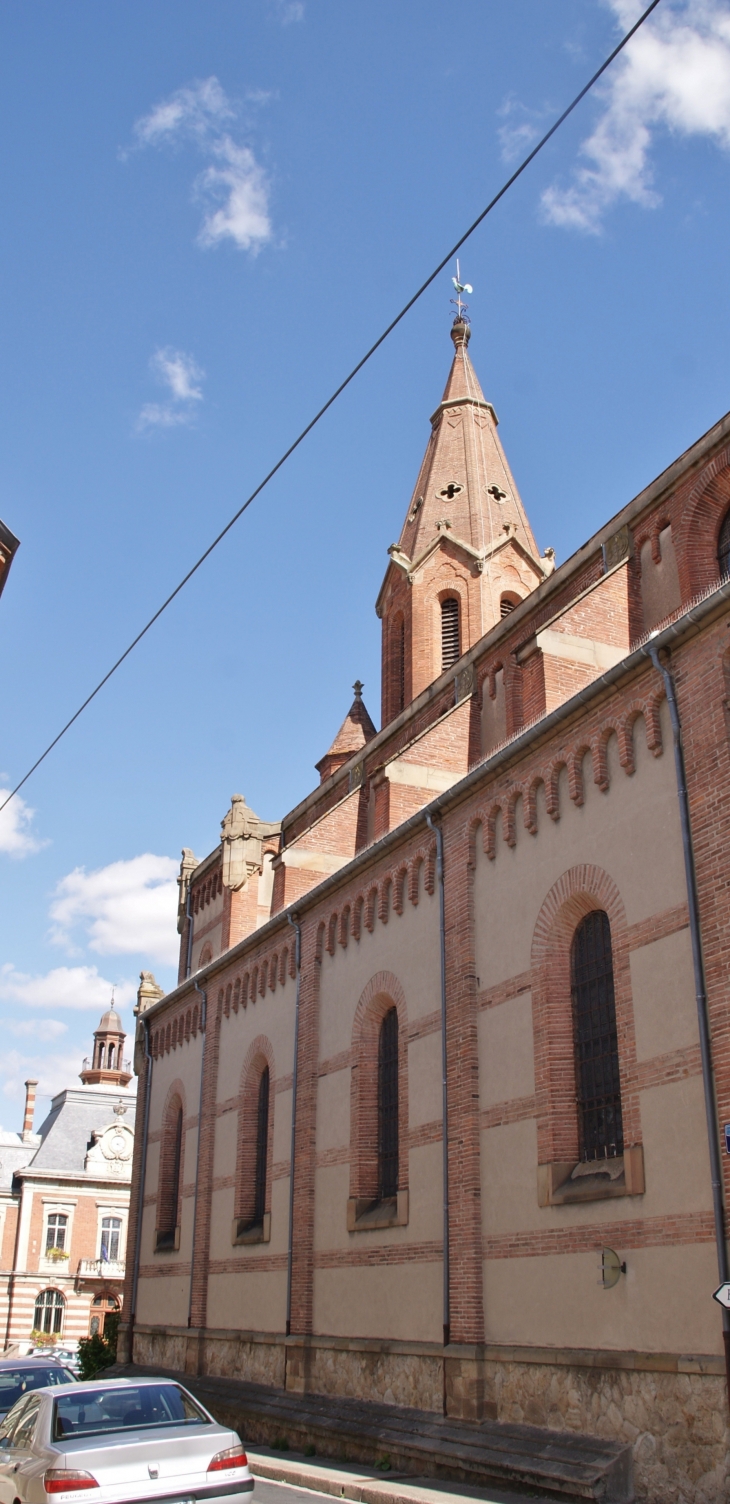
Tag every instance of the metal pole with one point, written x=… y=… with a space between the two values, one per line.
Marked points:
x=708 y=1080
x=290 y=1250
x=444 y=1077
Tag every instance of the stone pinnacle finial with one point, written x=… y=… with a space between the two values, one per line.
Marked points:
x=358 y=687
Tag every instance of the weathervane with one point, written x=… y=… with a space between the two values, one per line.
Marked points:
x=461 y=308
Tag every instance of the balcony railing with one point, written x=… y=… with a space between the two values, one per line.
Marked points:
x=100 y=1269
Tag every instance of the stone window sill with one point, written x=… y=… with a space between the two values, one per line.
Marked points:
x=259 y=1233
x=364 y=1215
x=166 y=1242
x=565 y=1184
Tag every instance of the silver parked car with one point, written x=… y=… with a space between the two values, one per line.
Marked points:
x=119 y=1441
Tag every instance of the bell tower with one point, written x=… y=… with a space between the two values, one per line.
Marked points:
x=107 y=1066
x=466 y=555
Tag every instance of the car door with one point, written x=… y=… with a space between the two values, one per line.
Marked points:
x=18 y=1451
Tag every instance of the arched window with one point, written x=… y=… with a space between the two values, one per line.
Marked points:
x=49 y=1309
x=388 y=1106
x=103 y=1306
x=598 y=1084
x=170 y=1178
x=262 y=1143
x=450 y=633
x=723 y=546
x=507 y=603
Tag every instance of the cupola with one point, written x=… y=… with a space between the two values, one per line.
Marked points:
x=107 y=1066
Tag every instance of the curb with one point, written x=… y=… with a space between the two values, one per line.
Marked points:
x=367 y=1486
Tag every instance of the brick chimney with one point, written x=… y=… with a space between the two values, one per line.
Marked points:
x=30 y=1087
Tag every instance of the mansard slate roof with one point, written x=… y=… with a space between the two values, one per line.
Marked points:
x=66 y=1134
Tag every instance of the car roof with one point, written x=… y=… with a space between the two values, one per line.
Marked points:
x=29 y=1362
x=99 y=1383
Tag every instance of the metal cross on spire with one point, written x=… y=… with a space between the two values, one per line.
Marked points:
x=461 y=308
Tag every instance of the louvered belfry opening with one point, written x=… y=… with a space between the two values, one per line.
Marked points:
x=723 y=547
x=598 y=1083
x=507 y=603
x=450 y=650
x=388 y=1106
x=262 y=1141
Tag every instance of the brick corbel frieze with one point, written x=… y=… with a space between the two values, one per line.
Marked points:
x=465 y=1198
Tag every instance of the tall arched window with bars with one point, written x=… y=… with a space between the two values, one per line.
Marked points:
x=597 y=1075
x=450 y=632
x=388 y=1107
x=169 y=1194
x=723 y=546
x=262 y=1142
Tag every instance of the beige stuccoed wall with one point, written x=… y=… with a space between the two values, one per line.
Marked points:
x=632 y=832
x=254 y=1300
x=400 y=1302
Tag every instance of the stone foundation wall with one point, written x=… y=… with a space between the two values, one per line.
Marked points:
x=673 y=1411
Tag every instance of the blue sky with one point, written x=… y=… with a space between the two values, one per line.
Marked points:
x=209 y=213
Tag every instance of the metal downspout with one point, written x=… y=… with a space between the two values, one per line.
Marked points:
x=142 y=1178
x=444 y=1084
x=204 y=1032
x=189 y=917
x=708 y=1080
x=290 y=1250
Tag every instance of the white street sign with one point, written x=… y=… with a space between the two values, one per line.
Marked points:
x=722 y=1296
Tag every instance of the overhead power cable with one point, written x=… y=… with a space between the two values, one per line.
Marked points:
x=337 y=393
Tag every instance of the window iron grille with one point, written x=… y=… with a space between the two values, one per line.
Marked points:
x=388 y=1106
x=595 y=1040
x=450 y=652
x=723 y=547
x=262 y=1142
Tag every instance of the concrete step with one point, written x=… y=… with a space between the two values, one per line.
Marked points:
x=560 y=1464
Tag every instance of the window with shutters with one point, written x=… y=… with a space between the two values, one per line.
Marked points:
x=598 y=1085
x=168 y=1196
x=450 y=632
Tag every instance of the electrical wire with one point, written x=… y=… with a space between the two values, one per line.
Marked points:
x=337 y=393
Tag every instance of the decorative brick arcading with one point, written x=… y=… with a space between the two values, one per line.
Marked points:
x=382 y=992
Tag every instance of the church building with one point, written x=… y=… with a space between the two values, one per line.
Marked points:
x=435 y=1114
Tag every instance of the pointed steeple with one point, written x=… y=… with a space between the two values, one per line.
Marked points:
x=356 y=730
x=466 y=536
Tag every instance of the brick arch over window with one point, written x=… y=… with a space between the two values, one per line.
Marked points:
x=172 y=1168
x=382 y=993
x=575 y=894
x=699 y=527
x=259 y=1059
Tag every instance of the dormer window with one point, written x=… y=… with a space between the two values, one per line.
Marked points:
x=450 y=632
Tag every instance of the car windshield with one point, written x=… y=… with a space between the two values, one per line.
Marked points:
x=97 y=1412
x=15 y=1382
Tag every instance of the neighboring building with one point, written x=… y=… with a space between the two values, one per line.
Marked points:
x=9 y=546
x=64 y=1202
x=526 y=726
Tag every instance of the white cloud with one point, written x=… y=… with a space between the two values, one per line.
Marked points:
x=27 y=1028
x=75 y=987
x=181 y=374
x=16 y=837
x=674 y=75
x=244 y=214
x=288 y=11
x=53 y=1072
x=127 y=908
x=233 y=187
x=518 y=132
